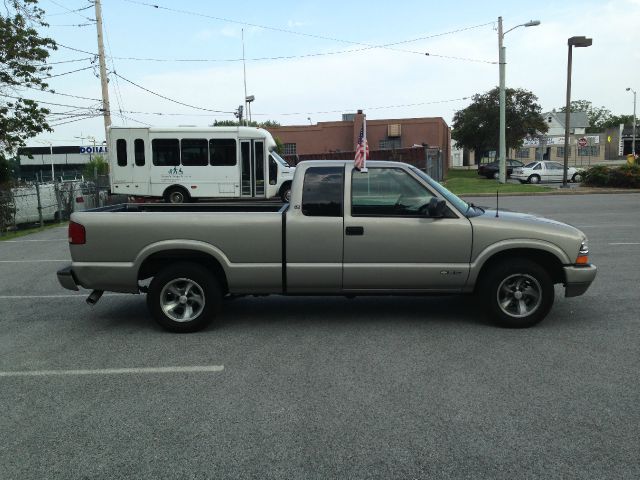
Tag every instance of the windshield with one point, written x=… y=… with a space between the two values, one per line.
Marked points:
x=460 y=204
x=279 y=159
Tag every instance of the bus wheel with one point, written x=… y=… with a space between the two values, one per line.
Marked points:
x=176 y=195
x=285 y=192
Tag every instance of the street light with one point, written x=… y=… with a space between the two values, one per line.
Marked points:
x=572 y=42
x=633 y=131
x=502 y=151
x=249 y=99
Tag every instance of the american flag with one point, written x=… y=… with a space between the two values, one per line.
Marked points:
x=362 y=148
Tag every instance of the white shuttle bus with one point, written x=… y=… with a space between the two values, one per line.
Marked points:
x=185 y=163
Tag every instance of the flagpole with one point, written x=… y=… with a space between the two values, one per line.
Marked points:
x=364 y=145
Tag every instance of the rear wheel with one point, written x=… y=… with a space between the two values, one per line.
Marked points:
x=176 y=195
x=517 y=293
x=534 y=179
x=184 y=297
x=577 y=177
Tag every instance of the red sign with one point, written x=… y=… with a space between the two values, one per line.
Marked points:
x=582 y=142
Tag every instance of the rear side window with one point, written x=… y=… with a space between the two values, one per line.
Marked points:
x=222 y=152
x=323 y=192
x=166 y=152
x=194 y=152
x=138 y=152
x=121 y=152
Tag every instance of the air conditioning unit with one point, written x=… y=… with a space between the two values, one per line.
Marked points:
x=394 y=130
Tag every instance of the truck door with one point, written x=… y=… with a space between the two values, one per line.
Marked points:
x=314 y=233
x=252 y=168
x=390 y=243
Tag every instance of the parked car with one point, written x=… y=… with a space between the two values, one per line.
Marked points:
x=546 y=171
x=492 y=170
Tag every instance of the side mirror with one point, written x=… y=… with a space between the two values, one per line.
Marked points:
x=436 y=208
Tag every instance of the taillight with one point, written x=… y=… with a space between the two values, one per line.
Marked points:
x=79 y=199
x=77 y=234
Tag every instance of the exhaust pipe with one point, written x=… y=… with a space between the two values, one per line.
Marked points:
x=93 y=298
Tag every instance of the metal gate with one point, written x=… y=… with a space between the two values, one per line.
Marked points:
x=433 y=163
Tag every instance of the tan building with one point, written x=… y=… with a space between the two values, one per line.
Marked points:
x=342 y=136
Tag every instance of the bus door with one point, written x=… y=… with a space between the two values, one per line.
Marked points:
x=252 y=169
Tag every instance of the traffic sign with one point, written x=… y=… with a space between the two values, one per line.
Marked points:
x=582 y=142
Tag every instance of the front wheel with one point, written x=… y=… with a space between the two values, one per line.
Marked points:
x=285 y=193
x=177 y=195
x=517 y=293
x=577 y=178
x=534 y=179
x=184 y=297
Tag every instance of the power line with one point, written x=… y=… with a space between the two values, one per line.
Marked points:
x=72 y=24
x=67 y=73
x=310 y=35
x=51 y=103
x=54 y=92
x=64 y=61
x=167 y=98
x=75 y=11
x=75 y=120
x=69 y=11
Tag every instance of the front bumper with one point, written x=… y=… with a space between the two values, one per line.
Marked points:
x=578 y=279
x=67 y=279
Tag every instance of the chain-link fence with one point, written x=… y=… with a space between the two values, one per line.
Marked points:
x=40 y=202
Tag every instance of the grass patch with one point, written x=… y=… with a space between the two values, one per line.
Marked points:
x=28 y=231
x=469 y=182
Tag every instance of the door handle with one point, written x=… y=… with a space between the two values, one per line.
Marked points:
x=354 y=231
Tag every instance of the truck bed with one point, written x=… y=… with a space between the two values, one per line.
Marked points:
x=233 y=206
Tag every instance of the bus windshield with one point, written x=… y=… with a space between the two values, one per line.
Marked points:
x=279 y=159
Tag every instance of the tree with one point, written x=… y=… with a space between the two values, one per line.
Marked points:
x=615 y=120
x=597 y=116
x=253 y=123
x=23 y=56
x=477 y=127
x=97 y=165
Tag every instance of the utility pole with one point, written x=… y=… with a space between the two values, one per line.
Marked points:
x=103 y=71
x=502 y=150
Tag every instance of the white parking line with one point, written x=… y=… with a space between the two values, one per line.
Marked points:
x=115 y=371
x=625 y=243
x=33 y=261
x=22 y=241
x=604 y=225
x=74 y=295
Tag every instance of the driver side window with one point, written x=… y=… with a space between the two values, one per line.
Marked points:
x=384 y=192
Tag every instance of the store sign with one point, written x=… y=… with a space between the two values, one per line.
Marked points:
x=90 y=150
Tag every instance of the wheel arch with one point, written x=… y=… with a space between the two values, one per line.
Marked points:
x=544 y=257
x=158 y=256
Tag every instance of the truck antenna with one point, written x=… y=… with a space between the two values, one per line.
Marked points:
x=497 y=202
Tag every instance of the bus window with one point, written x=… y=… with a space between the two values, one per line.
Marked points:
x=222 y=152
x=166 y=152
x=138 y=152
x=273 y=171
x=193 y=152
x=121 y=152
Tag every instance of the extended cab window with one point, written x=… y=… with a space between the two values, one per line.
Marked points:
x=222 y=152
x=138 y=150
x=387 y=192
x=194 y=152
x=121 y=152
x=322 y=192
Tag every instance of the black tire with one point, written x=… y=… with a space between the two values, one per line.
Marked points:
x=526 y=284
x=534 y=179
x=285 y=192
x=577 y=178
x=194 y=292
x=176 y=195
x=496 y=176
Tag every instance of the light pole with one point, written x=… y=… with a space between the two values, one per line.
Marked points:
x=633 y=129
x=572 y=42
x=502 y=150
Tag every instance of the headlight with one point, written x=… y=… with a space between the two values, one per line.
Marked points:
x=583 y=253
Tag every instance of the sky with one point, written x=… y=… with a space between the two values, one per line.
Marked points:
x=309 y=62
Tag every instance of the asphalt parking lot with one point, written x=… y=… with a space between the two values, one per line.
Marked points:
x=312 y=387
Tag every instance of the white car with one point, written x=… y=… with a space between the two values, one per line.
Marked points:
x=545 y=171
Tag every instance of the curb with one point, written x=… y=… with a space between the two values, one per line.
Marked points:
x=576 y=191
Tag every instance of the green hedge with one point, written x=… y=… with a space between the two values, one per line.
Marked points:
x=626 y=176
